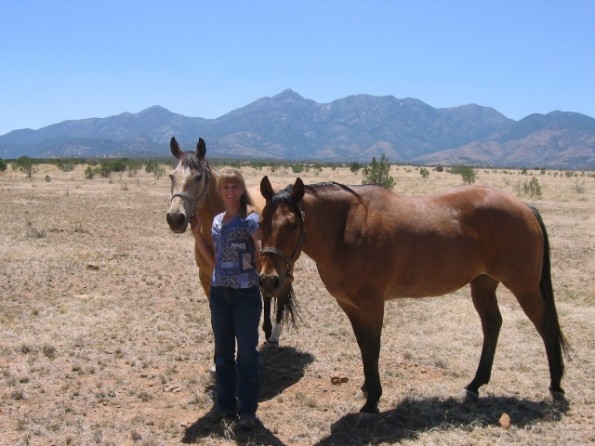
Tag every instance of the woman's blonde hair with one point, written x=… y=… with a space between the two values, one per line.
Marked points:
x=235 y=177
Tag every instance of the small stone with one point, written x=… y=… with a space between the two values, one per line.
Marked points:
x=504 y=420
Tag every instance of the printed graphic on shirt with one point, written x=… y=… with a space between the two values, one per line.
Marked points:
x=234 y=252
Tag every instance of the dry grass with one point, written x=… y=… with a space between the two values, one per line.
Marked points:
x=105 y=334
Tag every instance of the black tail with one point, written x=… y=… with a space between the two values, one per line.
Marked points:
x=552 y=325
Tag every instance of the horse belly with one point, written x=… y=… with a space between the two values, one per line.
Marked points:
x=434 y=275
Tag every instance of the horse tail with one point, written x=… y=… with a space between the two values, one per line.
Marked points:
x=552 y=325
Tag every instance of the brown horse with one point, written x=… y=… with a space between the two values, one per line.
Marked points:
x=371 y=245
x=194 y=191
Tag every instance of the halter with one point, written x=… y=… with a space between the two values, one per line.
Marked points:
x=291 y=259
x=194 y=202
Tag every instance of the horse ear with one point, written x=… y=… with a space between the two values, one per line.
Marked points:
x=266 y=189
x=175 y=148
x=298 y=191
x=201 y=148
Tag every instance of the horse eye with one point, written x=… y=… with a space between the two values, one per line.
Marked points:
x=197 y=177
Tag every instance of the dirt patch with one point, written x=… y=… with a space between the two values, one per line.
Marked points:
x=105 y=334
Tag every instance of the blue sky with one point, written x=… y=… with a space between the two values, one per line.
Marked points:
x=76 y=59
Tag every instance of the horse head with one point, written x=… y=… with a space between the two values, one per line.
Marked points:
x=283 y=234
x=189 y=184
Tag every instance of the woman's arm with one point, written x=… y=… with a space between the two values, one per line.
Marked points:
x=203 y=247
x=256 y=236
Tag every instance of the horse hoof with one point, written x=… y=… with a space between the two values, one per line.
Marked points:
x=369 y=410
x=558 y=397
x=468 y=396
x=270 y=343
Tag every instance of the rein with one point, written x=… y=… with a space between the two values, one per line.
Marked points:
x=291 y=259
x=194 y=202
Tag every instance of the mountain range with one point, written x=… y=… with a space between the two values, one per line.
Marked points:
x=288 y=126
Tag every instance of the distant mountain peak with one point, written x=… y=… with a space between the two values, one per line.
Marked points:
x=287 y=126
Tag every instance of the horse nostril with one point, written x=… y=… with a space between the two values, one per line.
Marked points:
x=175 y=219
x=269 y=282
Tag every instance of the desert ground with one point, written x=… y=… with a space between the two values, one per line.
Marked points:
x=105 y=335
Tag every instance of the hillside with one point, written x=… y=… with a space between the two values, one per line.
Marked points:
x=288 y=126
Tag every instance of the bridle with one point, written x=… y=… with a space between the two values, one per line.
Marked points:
x=289 y=260
x=193 y=203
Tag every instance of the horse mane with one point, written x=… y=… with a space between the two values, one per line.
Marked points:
x=284 y=196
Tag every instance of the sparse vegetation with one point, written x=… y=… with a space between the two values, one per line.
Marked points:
x=103 y=316
x=378 y=173
x=25 y=164
x=354 y=167
x=531 y=189
x=466 y=172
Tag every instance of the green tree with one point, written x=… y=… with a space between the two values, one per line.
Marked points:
x=3 y=165
x=25 y=164
x=378 y=173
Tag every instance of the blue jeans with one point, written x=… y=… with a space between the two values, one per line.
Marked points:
x=235 y=315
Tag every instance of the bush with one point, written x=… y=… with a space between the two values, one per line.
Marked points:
x=3 y=165
x=378 y=173
x=532 y=188
x=424 y=172
x=466 y=172
x=151 y=166
x=354 y=167
x=90 y=173
x=25 y=164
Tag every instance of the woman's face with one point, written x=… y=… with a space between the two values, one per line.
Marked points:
x=231 y=192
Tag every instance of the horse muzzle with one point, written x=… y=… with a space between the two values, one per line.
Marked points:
x=272 y=285
x=177 y=221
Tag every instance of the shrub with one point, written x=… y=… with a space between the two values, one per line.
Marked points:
x=424 y=172
x=378 y=173
x=3 y=165
x=466 y=172
x=151 y=166
x=25 y=164
x=297 y=168
x=468 y=175
x=355 y=166
x=90 y=173
x=532 y=188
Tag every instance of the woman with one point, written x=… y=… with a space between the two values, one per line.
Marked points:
x=235 y=299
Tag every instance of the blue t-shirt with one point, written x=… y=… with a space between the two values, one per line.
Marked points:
x=235 y=265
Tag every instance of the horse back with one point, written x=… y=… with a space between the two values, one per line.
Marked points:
x=424 y=246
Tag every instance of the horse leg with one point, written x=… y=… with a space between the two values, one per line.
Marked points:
x=538 y=312
x=367 y=327
x=483 y=293
x=278 y=327
x=266 y=320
